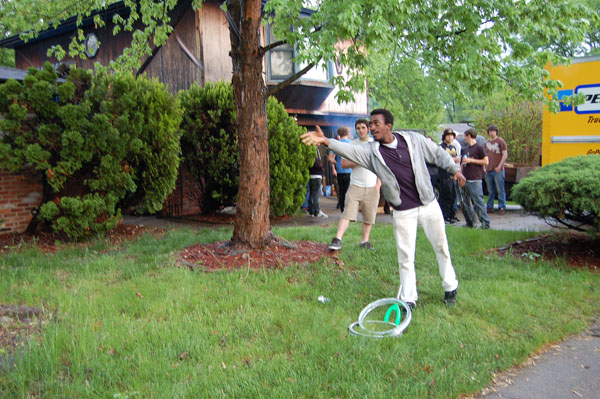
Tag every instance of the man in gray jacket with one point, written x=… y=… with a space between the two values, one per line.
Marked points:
x=399 y=159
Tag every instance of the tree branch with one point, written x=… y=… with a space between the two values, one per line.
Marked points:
x=289 y=81
x=263 y=50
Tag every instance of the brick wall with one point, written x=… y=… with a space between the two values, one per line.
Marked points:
x=19 y=194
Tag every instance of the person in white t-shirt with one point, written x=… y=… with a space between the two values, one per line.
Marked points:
x=363 y=194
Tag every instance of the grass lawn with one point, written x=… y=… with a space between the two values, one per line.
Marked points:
x=128 y=324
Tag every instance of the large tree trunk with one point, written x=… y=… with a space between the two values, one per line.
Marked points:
x=252 y=226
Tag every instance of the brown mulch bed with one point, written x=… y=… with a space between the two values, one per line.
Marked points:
x=220 y=256
x=577 y=249
x=50 y=242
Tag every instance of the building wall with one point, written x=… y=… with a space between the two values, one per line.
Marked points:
x=171 y=65
x=214 y=33
x=35 y=54
x=19 y=194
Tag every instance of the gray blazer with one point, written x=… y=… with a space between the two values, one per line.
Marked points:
x=420 y=149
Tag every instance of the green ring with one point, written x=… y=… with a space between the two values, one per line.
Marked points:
x=392 y=308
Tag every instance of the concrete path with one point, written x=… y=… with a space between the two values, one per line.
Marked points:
x=514 y=218
x=567 y=370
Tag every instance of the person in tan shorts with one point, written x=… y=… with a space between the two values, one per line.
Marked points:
x=363 y=194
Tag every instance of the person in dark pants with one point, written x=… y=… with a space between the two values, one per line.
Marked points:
x=343 y=174
x=315 y=186
x=474 y=160
x=446 y=180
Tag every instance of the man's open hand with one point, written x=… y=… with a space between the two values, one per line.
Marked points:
x=314 y=137
x=460 y=178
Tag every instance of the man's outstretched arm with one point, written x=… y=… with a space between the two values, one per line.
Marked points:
x=315 y=137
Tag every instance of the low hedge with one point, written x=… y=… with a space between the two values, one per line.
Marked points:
x=567 y=191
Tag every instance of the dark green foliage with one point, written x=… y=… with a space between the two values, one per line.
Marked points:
x=209 y=144
x=567 y=191
x=97 y=140
x=210 y=149
x=289 y=160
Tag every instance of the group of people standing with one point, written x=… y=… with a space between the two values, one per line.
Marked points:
x=478 y=161
x=396 y=162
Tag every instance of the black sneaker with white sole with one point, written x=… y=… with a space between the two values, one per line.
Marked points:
x=450 y=298
x=336 y=244
x=366 y=245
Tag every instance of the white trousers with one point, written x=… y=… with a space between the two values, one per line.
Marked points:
x=405 y=231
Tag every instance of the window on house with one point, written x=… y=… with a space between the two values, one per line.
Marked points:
x=281 y=65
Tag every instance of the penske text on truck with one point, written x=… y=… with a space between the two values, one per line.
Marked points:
x=575 y=129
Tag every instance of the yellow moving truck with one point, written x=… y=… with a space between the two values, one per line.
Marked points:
x=574 y=130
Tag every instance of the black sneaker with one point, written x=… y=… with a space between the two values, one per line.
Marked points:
x=450 y=298
x=336 y=244
x=365 y=245
x=411 y=305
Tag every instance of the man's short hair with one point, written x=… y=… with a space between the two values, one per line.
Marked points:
x=343 y=131
x=471 y=133
x=361 y=120
x=387 y=115
x=492 y=127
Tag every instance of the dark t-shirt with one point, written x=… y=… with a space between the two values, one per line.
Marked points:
x=451 y=150
x=473 y=171
x=398 y=160
x=317 y=168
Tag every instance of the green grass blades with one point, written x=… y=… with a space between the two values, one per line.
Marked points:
x=126 y=323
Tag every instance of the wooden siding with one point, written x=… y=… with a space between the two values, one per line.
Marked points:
x=171 y=65
x=35 y=54
x=214 y=32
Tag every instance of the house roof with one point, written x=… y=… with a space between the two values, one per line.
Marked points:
x=68 y=25
x=459 y=128
x=11 y=73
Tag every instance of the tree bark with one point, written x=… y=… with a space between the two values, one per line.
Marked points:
x=252 y=225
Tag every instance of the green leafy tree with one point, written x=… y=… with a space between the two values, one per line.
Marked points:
x=519 y=122
x=476 y=45
x=566 y=192
x=400 y=85
x=97 y=141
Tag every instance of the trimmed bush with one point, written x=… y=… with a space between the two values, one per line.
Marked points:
x=210 y=150
x=209 y=144
x=566 y=191
x=97 y=141
x=289 y=160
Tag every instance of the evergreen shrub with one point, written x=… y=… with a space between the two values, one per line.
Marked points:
x=97 y=140
x=210 y=150
x=209 y=144
x=289 y=160
x=566 y=191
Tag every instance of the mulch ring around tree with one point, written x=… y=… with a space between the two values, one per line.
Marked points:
x=221 y=256
x=577 y=249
